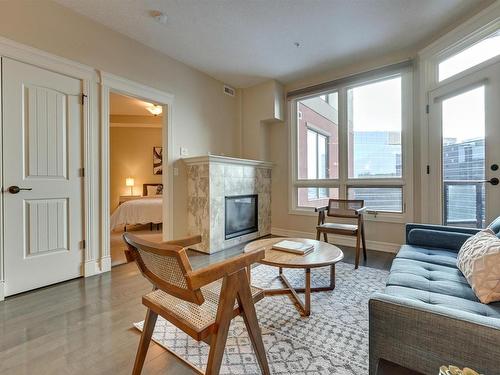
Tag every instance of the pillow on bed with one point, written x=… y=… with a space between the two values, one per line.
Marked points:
x=151 y=190
x=154 y=190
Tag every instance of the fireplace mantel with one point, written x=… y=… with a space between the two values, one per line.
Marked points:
x=204 y=159
x=212 y=178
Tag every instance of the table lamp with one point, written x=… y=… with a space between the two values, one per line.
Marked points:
x=129 y=181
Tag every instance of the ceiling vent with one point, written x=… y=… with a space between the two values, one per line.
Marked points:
x=228 y=90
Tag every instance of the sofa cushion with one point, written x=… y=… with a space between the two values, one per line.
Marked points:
x=439 y=256
x=430 y=277
x=492 y=310
x=437 y=238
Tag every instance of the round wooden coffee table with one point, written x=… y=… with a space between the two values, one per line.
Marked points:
x=323 y=255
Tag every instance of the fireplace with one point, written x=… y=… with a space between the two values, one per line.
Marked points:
x=241 y=215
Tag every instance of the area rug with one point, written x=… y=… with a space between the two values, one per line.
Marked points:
x=333 y=340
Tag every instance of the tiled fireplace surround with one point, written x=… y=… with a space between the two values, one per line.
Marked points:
x=210 y=179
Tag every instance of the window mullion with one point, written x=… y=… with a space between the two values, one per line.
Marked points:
x=343 y=143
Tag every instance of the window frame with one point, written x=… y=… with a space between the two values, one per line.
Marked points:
x=343 y=181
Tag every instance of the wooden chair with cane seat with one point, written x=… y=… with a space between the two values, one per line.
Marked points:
x=343 y=208
x=200 y=302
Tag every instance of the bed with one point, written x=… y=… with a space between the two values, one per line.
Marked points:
x=147 y=209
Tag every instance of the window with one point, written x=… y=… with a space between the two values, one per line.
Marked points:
x=389 y=199
x=307 y=196
x=356 y=150
x=317 y=155
x=374 y=126
x=317 y=135
x=476 y=54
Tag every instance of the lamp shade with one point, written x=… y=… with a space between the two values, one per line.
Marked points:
x=129 y=181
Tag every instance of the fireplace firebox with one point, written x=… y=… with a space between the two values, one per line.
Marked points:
x=241 y=215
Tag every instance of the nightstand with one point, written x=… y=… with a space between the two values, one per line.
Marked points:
x=125 y=198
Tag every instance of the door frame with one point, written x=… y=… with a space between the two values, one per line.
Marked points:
x=110 y=82
x=88 y=77
x=468 y=82
x=463 y=36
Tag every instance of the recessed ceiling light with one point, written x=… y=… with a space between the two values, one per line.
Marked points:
x=158 y=16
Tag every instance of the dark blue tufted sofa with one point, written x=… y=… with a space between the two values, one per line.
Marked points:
x=428 y=315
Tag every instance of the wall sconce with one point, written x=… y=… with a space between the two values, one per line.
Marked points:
x=129 y=181
x=155 y=110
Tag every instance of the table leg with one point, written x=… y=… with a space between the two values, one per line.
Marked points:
x=307 y=294
x=303 y=306
x=332 y=276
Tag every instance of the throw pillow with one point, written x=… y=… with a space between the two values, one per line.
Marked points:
x=479 y=261
x=151 y=190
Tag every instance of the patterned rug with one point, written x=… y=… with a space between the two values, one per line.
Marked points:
x=333 y=340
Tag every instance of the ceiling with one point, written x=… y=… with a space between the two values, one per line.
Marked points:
x=127 y=106
x=244 y=42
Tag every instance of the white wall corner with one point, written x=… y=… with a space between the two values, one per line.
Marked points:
x=2 y=294
x=387 y=247
x=106 y=263
x=90 y=268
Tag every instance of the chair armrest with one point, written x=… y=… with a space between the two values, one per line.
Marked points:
x=319 y=209
x=185 y=242
x=361 y=211
x=182 y=242
x=422 y=336
x=206 y=275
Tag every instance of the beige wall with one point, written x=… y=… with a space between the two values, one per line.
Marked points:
x=261 y=105
x=131 y=154
x=202 y=113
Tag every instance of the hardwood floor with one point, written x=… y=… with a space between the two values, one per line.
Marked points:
x=84 y=326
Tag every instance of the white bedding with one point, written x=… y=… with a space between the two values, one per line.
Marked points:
x=144 y=210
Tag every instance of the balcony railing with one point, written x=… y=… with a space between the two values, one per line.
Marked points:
x=464 y=203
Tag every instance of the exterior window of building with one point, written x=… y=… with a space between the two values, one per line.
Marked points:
x=371 y=145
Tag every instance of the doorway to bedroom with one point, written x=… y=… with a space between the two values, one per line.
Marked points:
x=135 y=170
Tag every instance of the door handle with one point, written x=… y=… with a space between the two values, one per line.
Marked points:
x=16 y=189
x=494 y=181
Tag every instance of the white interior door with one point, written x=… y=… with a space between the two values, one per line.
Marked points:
x=464 y=149
x=43 y=205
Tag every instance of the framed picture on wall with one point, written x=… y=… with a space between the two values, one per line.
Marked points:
x=157 y=160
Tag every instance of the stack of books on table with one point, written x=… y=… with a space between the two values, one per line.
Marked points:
x=294 y=247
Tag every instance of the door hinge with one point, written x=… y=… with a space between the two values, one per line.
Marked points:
x=428 y=169
x=83 y=97
x=82 y=244
x=427 y=108
x=81 y=172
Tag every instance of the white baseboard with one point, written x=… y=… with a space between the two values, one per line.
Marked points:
x=106 y=264
x=387 y=247
x=2 y=293
x=91 y=268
